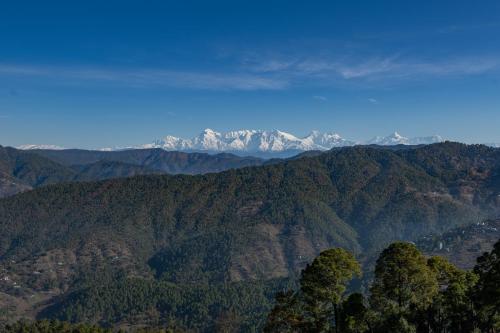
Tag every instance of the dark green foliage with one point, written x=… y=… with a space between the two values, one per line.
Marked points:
x=287 y=314
x=316 y=306
x=403 y=287
x=350 y=197
x=487 y=291
x=113 y=298
x=323 y=284
x=205 y=258
x=55 y=326
x=354 y=314
x=29 y=170
x=409 y=294
x=159 y=160
x=108 y=170
x=22 y=170
x=52 y=326
x=451 y=309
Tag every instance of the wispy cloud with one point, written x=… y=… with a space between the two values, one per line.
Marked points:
x=384 y=68
x=466 y=27
x=320 y=98
x=272 y=73
x=272 y=65
x=373 y=101
x=147 y=77
x=370 y=68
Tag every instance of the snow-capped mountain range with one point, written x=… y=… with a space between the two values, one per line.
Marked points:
x=263 y=142
x=252 y=141
x=397 y=139
x=47 y=147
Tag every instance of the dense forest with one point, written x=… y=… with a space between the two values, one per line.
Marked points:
x=409 y=293
x=23 y=170
x=193 y=252
x=171 y=162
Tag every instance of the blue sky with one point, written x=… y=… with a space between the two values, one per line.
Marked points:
x=116 y=73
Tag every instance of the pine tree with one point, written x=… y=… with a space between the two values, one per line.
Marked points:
x=403 y=287
x=487 y=291
x=323 y=284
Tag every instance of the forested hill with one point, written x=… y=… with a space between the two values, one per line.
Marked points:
x=462 y=245
x=23 y=170
x=171 y=162
x=256 y=223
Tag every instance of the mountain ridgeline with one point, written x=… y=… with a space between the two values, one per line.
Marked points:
x=275 y=143
x=138 y=250
x=156 y=159
x=23 y=170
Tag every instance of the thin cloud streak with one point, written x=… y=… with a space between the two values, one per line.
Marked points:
x=388 y=68
x=190 y=80
x=466 y=27
x=272 y=73
x=320 y=98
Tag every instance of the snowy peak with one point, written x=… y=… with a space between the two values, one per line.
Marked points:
x=33 y=147
x=209 y=140
x=245 y=140
x=260 y=141
x=329 y=140
x=252 y=141
x=392 y=139
x=397 y=139
x=275 y=141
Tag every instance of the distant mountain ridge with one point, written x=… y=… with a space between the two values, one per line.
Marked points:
x=276 y=141
x=23 y=170
x=33 y=147
x=252 y=141
x=397 y=139
x=255 y=142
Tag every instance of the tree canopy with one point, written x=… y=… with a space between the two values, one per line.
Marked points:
x=409 y=293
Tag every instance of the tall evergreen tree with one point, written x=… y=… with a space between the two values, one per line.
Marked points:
x=403 y=286
x=316 y=306
x=354 y=315
x=487 y=292
x=409 y=293
x=451 y=309
x=323 y=284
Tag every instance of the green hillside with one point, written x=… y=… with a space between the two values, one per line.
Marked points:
x=23 y=170
x=171 y=162
x=462 y=245
x=201 y=240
